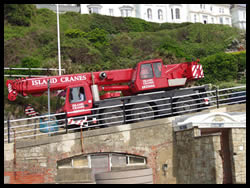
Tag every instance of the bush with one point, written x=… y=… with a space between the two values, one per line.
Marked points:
x=45 y=18
x=27 y=62
x=241 y=60
x=137 y=25
x=75 y=33
x=79 y=51
x=19 y=14
x=170 y=48
x=98 y=37
x=219 y=68
x=110 y=24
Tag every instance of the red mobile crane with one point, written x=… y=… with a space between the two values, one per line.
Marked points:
x=81 y=91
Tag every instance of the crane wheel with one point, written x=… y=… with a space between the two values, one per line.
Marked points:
x=111 y=117
x=141 y=112
x=184 y=105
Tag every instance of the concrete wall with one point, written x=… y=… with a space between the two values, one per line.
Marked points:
x=237 y=142
x=190 y=157
x=39 y=158
x=211 y=155
x=198 y=158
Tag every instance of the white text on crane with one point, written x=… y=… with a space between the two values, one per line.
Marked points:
x=63 y=79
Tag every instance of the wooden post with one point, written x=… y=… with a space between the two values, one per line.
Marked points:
x=81 y=139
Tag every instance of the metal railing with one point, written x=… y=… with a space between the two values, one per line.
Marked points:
x=123 y=113
x=30 y=69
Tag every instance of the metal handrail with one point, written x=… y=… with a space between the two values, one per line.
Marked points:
x=20 y=68
x=170 y=110
x=30 y=69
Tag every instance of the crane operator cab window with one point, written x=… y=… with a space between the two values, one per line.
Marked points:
x=146 y=71
x=157 y=69
x=77 y=94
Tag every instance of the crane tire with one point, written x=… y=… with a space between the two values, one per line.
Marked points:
x=141 y=112
x=184 y=105
x=110 y=115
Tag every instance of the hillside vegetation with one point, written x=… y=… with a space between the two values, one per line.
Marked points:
x=95 y=42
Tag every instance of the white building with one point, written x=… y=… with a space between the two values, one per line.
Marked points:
x=210 y=13
x=118 y=10
x=238 y=12
x=160 y=13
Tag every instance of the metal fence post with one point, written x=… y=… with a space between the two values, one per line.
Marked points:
x=66 y=122
x=8 y=124
x=171 y=102
x=123 y=111
x=48 y=123
x=14 y=161
x=217 y=98
x=35 y=120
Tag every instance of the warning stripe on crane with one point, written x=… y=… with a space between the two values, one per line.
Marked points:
x=197 y=71
x=29 y=111
x=82 y=122
x=10 y=88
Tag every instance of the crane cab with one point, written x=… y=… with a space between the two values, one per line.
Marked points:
x=77 y=100
x=148 y=75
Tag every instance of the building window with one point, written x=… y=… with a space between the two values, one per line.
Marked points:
x=74 y=162
x=221 y=10
x=227 y=21
x=105 y=161
x=94 y=8
x=202 y=6
x=160 y=15
x=204 y=19
x=149 y=13
x=195 y=18
x=212 y=20
x=121 y=160
x=126 y=11
x=244 y=15
x=211 y=8
x=135 y=160
x=172 y=13
x=177 y=13
x=221 y=20
x=111 y=12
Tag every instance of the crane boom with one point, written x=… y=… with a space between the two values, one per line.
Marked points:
x=37 y=86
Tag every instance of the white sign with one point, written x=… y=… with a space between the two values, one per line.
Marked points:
x=148 y=83
x=63 y=79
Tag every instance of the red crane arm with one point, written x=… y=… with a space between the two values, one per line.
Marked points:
x=36 y=86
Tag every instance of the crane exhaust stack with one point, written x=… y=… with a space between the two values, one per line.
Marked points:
x=94 y=89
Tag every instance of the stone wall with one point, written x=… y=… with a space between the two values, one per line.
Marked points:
x=198 y=159
x=237 y=141
x=190 y=156
x=38 y=158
